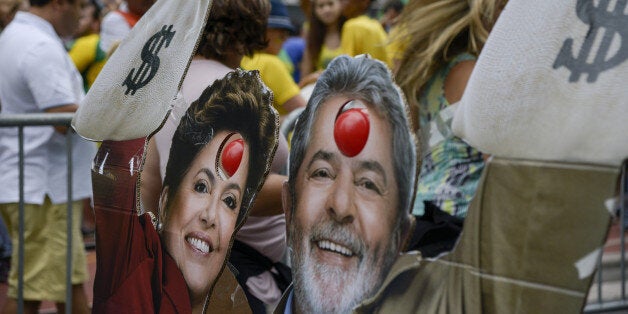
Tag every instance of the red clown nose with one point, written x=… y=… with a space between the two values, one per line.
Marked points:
x=351 y=130
x=232 y=156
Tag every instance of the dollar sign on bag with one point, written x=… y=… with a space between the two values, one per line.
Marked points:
x=603 y=22
x=138 y=79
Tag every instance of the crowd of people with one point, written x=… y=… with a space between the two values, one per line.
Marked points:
x=324 y=219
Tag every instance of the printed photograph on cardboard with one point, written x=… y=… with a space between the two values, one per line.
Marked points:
x=351 y=184
x=170 y=257
x=174 y=207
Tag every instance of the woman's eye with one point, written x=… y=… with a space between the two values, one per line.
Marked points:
x=231 y=202
x=200 y=187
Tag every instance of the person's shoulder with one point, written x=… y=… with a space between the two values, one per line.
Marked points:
x=86 y=41
x=113 y=18
x=269 y=58
x=25 y=34
x=113 y=15
x=260 y=60
x=362 y=21
x=365 y=27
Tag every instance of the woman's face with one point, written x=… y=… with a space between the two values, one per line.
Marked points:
x=328 y=11
x=200 y=220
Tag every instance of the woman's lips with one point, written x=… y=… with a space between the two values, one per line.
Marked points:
x=200 y=243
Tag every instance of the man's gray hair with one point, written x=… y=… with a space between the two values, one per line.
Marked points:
x=370 y=80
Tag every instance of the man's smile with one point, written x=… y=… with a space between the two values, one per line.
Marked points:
x=335 y=248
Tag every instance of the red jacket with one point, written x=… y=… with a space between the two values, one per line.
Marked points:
x=134 y=273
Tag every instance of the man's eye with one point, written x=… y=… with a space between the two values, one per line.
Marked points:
x=369 y=185
x=231 y=202
x=321 y=173
x=200 y=187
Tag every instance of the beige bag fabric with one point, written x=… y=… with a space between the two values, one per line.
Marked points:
x=139 y=83
x=530 y=244
x=550 y=84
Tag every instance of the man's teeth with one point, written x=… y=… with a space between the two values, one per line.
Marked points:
x=199 y=244
x=330 y=246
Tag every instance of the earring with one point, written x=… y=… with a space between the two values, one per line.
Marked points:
x=156 y=222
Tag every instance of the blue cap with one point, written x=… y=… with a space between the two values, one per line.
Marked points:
x=279 y=16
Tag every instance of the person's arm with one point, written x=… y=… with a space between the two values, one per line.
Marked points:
x=150 y=179
x=456 y=82
x=309 y=79
x=297 y=101
x=122 y=243
x=307 y=64
x=61 y=109
x=53 y=84
x=268 y=200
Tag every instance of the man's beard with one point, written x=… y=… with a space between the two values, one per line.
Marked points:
x=321 y=288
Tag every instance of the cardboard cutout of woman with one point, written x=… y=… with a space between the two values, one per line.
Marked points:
x=218 y=161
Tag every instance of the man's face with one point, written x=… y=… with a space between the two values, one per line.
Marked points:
x=341 y=231
x=86 y=21
x=69 y=13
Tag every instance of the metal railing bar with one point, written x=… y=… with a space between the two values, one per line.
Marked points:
x=41 y=119
x=20 y=264
x=31 y=119
x=70 y=217
x=607 y=306
x=599 y=277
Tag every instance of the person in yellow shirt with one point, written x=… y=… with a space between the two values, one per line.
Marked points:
x=323 y=39
x=85 y=51
x=273 y=71
x=362 y=34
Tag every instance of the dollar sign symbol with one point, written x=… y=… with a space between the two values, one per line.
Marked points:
x=599 y=19
x=138 y=79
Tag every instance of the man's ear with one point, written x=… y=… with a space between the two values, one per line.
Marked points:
x=286 y=202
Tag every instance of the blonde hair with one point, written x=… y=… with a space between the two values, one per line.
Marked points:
x=433 y=32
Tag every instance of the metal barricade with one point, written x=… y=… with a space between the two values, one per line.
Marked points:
x=608 y=292
x=41 y=119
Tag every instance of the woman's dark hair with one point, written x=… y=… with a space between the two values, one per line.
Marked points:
x=316 y=35
x=234 y=26
x=238 y=103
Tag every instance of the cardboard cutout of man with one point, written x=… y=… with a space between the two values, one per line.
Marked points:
x=352 y=173
x=531 y=239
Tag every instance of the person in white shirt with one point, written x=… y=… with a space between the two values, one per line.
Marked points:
x=118 y=23
x=38 y=76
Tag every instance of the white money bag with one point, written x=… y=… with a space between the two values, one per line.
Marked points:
x=551 y=84
x=139 y=83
